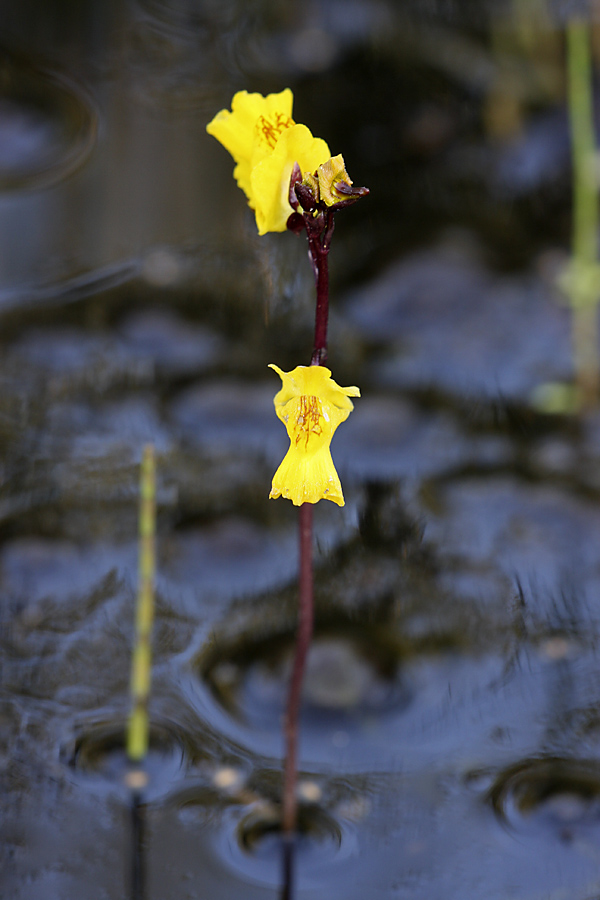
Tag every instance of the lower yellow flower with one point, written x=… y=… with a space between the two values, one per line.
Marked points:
x=311 y=406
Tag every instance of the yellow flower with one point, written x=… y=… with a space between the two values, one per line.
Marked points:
x=265 y=142
x=311 y=406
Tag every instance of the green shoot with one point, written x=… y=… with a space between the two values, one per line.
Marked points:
x=141 y=664
x=582 y=280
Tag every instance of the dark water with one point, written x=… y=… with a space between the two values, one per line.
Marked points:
x=450 y=739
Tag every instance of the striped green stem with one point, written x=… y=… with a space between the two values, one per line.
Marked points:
x=584 y=292
x=141 y=664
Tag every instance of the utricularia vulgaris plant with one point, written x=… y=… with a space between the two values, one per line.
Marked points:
x=292 y=182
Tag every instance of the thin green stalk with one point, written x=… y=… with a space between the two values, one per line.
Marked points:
x=584 y=294
x=141 y=663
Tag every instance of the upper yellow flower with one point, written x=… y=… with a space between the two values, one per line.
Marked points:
x=265 y=142
x=311 y=406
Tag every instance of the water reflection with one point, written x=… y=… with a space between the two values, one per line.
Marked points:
x=99 y=758
x=48 y=124
x=370 y=693
x=550 y=795
x=457 y=622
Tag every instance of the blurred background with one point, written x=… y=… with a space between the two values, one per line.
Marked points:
x=450 y=739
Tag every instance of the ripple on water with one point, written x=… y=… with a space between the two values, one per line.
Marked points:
x=234 y=817
x=554 y=796
x=174 y=346
x=252 y=845
x=538 y=535
x=97 y=756
x=369 y=696
x=448 y=322
x=389 y=437
x=346 y=675
x=229 y=415
x=47 y=125
x=229 y=557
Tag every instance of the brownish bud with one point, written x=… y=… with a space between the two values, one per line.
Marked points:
x=306 y=196
x=295 y=223
x=295 y=178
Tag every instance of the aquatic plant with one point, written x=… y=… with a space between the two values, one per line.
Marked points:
x=581 y=281
x=138 y=726
x=292 y=181
x=141 y=662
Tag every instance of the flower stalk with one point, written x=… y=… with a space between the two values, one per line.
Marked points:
x=303 y=638
x=291 y=181
x=317 y=218
x=319 y=257
x=318 y=250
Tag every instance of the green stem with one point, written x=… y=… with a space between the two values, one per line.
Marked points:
x=585 y=205
x=585 y=343
x=141 y=664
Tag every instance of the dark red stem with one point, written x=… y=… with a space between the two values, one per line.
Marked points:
x=318 y=250
x=319 y=230
x=303 y=636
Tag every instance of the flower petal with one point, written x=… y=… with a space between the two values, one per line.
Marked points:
x=307 y=479
x=237 y=130
x=270 y=178
x=313 y=380
x=311 y=405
